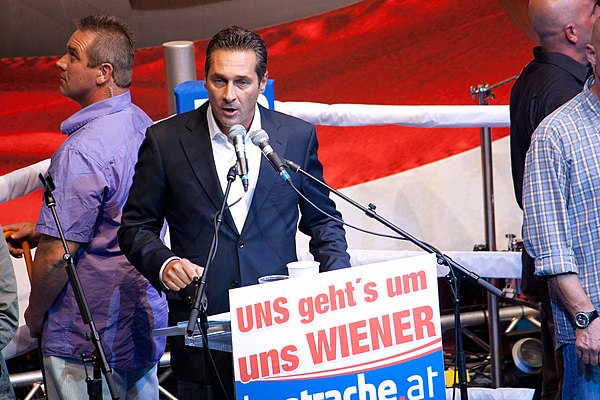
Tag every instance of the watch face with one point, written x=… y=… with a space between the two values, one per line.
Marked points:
x=582 y=320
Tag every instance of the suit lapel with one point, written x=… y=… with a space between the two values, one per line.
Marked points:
x=266 y=177
x=198 y=151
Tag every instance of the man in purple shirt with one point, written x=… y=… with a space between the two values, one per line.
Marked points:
x=92 y=172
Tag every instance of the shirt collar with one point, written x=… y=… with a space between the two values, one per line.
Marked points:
x=215 y=131
x=575 y=68
x=95 y=110
x=592 y=101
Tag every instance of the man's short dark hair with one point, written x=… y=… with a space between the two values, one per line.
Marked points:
x=238 y=39
x=113 y=44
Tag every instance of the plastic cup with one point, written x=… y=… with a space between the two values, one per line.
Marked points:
x=298 y=269
x=271 y=278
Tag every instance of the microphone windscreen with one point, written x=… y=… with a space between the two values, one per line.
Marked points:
x=237 y=130
x=259 y=136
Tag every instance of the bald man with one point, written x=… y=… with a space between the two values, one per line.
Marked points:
x=554 y=76
x=561 y=226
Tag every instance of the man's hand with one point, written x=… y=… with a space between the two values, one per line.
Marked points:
x=587 y=343
x=180 y=273
x=34 y=323
x=23 y=231
x=569 y=290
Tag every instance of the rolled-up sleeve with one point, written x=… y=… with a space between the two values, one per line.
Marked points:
x=546 y=225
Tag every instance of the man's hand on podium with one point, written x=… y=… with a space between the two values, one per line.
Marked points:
x=180 y=273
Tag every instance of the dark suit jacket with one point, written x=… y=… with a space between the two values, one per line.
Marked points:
x=175 y=178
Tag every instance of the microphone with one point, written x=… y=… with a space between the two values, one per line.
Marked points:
x=237 y=133
x=261 y=139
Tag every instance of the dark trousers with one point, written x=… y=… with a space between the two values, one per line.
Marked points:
x=552 y=360
x=187 y=364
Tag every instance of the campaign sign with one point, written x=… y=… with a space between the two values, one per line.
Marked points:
x=363 y=333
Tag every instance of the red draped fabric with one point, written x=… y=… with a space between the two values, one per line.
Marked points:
x=404 y=52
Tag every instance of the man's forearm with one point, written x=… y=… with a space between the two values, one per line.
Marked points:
x=569 y=290
x=49 y=275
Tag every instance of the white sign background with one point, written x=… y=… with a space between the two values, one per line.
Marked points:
x=274 y=324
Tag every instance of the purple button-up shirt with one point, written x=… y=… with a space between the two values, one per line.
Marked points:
x=92 y=172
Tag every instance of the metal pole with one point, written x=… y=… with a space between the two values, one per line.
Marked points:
x=476 y=318
x=488 y=188
x=483 y=93
x=490 y=241
x=180 y=66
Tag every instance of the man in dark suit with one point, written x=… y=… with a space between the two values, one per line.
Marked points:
x=181 y=176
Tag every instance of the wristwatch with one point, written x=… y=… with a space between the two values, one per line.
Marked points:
x=583 y=319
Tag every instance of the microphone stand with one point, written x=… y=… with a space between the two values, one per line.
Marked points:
x=200 y=304
x=98 y=358
x=442 y=259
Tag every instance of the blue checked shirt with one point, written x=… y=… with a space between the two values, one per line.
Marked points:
x=561 y=200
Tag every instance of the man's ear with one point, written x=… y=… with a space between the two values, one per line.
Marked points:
x=105 y=72
x=590 y=54
x=263 y=82
x=570 y=33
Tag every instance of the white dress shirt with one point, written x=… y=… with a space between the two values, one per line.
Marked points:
x=225 y=158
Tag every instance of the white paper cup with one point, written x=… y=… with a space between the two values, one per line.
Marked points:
x=297 y=269
x=271 y=278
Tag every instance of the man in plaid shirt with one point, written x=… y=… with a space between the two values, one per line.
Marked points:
x=561 y=202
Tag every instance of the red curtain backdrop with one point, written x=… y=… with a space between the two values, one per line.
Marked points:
x=403 y=52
